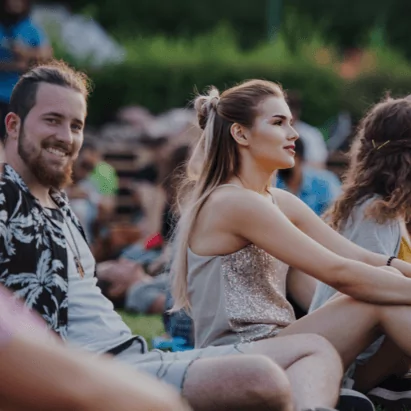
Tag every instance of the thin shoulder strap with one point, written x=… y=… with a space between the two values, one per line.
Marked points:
x=235 y=185
x=272 y=197
x=229 y=184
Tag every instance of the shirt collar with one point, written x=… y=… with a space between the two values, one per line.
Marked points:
x=11 y=175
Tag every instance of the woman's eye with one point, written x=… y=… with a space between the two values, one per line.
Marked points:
x=278 y=123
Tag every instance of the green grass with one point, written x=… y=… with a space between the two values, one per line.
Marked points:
x=148 y=326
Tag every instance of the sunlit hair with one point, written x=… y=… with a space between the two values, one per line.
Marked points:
x=380 y=163
x=214 y=161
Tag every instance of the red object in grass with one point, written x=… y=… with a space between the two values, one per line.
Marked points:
x=156 y=241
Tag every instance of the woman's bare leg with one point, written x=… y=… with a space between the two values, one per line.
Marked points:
x=351 y=326
x=312 y=365
x=246 y=382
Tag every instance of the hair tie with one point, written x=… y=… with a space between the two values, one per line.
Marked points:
x=214 y=102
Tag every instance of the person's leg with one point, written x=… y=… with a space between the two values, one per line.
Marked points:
x=247 y=382
x=312 y=366
x=351 y=326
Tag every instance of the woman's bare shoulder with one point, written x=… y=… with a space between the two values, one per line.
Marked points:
x=229 y=201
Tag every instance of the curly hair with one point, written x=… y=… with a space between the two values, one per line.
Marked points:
x=380 y=164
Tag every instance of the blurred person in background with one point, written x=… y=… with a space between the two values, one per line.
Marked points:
x=129 y=287
x=83 y=195
x=316 y=188
x=93 y=192
x=157 y=195
x=22 y=43
x=315 y=153
x=40 y=374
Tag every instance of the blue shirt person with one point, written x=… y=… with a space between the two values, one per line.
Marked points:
x=315 y=187
x=22 y=43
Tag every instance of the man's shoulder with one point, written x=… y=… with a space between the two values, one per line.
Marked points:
x=26 y=25
x=12 y=188
x=9 y=191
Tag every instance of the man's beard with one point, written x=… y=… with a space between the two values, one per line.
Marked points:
x=45 y=175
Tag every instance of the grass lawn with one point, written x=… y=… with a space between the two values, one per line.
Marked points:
x=148 y=326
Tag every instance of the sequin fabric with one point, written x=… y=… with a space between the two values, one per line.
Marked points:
x=255 y=287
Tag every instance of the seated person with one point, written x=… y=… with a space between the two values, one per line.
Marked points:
x=316 y=188
x=41 y=374
x=316 y=152
x=126 y=284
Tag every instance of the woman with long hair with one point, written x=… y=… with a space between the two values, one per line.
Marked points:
x=237 y=236
x=372 y=211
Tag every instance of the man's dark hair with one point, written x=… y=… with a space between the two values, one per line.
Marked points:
x=286 y=173
x=294 y=100
x=59 y=73
x=8 y=19
x=299 y=148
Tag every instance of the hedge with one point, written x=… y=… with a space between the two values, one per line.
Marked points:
x=161 y=87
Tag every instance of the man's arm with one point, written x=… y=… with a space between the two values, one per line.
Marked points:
x=19 y=66
x=39 y=53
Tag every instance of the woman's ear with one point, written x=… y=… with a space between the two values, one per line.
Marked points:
x=239 y=134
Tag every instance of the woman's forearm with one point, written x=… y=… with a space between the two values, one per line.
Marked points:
x=374 y=285
x=380 y=260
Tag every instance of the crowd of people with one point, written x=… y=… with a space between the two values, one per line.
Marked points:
x=280 y=288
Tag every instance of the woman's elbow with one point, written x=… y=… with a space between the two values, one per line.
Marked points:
x=340 y=275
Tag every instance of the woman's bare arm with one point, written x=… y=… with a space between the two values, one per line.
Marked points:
x=268 y=228
x=308 y=222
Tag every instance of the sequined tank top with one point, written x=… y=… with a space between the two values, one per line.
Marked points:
x=238 y=297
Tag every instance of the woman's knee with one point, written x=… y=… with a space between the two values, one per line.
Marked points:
x=236 y=383
x=266 y=383
x=320 y=346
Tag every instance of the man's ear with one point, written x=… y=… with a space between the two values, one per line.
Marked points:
x=239 y=134
x=13 y=125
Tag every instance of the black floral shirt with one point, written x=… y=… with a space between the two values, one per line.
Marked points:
x=33 y=255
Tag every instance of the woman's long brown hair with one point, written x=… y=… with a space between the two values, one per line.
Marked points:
x=380 y=164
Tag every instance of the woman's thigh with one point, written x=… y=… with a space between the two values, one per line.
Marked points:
x=350 y=325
